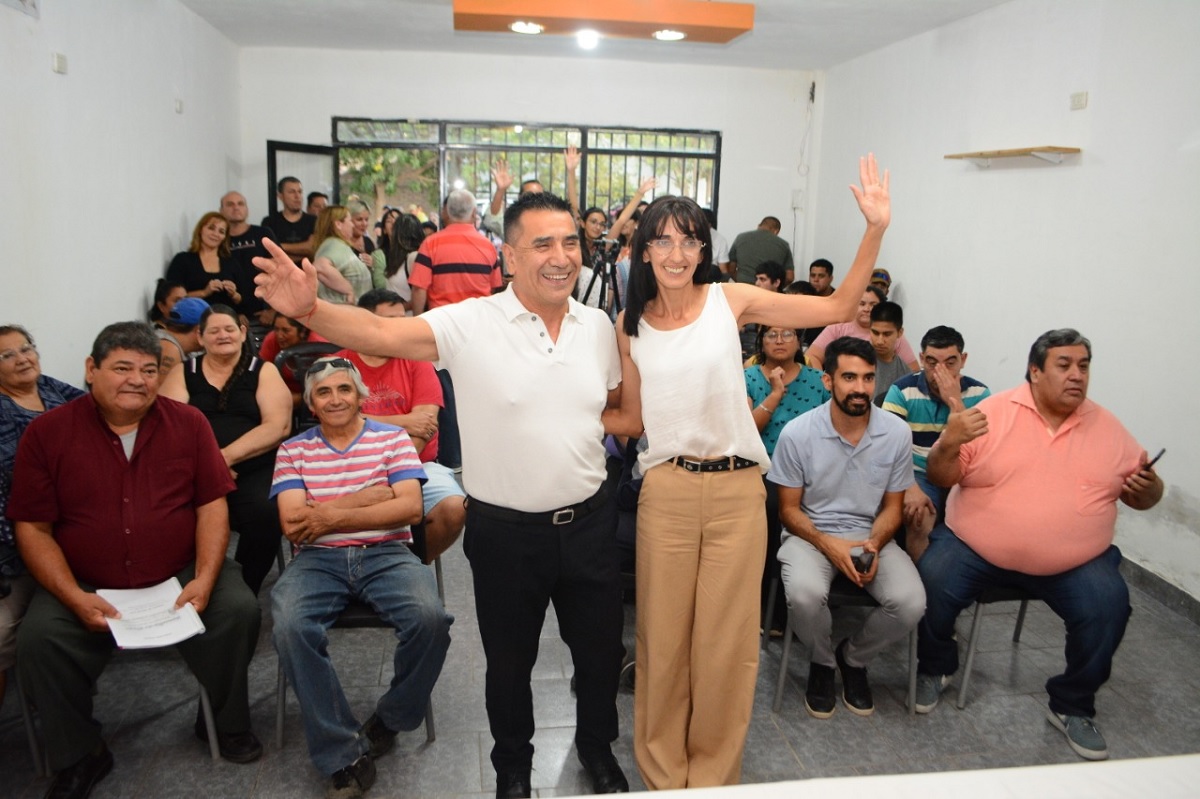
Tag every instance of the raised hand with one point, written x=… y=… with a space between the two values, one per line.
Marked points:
x=290 y=290
x=647 y=186
x=501 y=176
x=873 y=198
x=572 y=157
x=966 y=425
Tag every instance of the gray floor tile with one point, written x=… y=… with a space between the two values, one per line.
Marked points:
x=147 y=703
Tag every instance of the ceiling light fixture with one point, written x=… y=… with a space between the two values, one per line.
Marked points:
x=587 y=39
x=529 y=28
x=699 y=21
x=666 y=35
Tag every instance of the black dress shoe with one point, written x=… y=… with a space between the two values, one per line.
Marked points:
x=513 y=784
x=380 y=738
x=352 y=781
x=77 y=781
x=236 y=747
x=604 y=771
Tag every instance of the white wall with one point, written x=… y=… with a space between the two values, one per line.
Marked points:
x=291 y=95
x=1106 y=242
x=100 y=180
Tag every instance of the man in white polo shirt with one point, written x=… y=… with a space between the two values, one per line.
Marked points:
x=534 y=370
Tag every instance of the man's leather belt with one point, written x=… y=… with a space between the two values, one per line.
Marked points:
x=715 y=465
x=571 y=513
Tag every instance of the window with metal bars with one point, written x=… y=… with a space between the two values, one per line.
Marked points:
x=407 y=163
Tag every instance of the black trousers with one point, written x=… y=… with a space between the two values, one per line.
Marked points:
x=256 y=519
x=518 y=570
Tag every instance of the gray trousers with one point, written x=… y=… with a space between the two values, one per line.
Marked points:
x=807 y=575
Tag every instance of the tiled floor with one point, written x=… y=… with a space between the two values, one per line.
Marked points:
x=146 y=702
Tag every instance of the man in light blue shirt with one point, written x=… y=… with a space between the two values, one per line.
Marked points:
x=842 y=471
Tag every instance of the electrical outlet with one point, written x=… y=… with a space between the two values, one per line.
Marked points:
x=1079 y=101
x=58 y=63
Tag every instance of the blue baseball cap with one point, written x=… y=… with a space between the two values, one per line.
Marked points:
x=187 y=311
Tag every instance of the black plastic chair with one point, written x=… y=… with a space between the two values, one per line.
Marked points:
x=359 y=616
x=990 y=595
x=297 y=360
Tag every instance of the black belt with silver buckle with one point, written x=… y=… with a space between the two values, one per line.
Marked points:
x=715 y=465
x=571 y=513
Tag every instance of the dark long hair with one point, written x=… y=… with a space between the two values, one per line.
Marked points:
x=382 y=238
x=162 y=290
x=244 y=359
x=689 y=220
x=407 y=235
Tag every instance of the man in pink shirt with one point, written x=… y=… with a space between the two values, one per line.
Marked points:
x=1037 y=471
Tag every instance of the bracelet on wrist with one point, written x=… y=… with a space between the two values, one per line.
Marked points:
x=304 y=319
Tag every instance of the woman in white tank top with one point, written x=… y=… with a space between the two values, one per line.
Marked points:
x=701 y=518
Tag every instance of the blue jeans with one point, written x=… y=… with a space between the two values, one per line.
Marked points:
x=1092 y=599
x=311 y=592
x=936 y=494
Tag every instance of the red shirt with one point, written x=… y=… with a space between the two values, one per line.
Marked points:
x=456 y=264
x=396 y=387
x=121 y=523
x=270 y=349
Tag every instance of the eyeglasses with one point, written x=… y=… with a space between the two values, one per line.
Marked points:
x=780 y=335
x=24 y=350
x=666 y=246
x=330 y=363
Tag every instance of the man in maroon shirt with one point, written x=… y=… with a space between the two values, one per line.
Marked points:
x=120 y=489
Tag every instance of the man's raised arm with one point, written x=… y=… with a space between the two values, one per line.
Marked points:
x=292 y=291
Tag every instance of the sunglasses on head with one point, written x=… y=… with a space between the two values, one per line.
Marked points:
x=335 y=363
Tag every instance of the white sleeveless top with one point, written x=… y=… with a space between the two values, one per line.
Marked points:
x=694 y=389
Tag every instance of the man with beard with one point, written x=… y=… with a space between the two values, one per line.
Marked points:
x=842 y=470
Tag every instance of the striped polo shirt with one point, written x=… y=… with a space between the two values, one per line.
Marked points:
x=456 y=264
x=382 y=454
x=909 y=399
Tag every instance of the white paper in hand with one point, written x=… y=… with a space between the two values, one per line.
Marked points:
x=148 y=616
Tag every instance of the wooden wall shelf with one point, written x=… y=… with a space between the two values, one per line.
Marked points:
x=984 y=157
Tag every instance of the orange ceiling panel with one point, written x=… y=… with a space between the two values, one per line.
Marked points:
x=701 y=20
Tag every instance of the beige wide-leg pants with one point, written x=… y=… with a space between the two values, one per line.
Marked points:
x=700 y=551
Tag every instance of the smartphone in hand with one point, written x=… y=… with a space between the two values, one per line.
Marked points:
x=862 y=560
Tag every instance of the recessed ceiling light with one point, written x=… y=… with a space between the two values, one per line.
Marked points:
x=587 y=38
x=667 y=35
x=526 y=27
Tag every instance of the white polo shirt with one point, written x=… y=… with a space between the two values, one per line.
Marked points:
x=528 y=406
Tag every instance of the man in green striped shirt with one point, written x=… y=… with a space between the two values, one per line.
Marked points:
x=925 y=400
